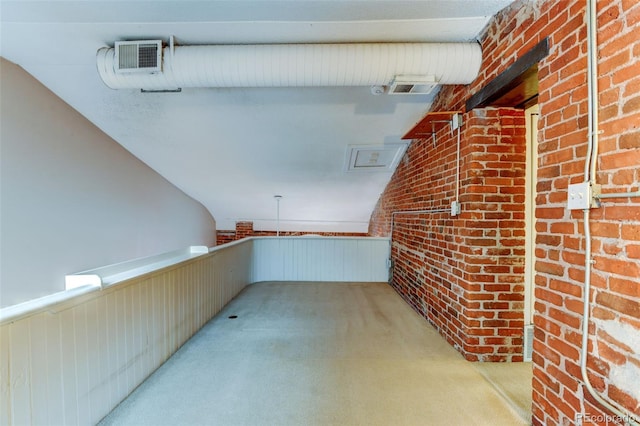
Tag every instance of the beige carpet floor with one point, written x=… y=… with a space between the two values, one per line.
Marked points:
x=512 y=381
x=323 y=354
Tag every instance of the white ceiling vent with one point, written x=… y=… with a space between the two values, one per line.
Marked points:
x=142 y=56
x=374 y=158
x=412 y=85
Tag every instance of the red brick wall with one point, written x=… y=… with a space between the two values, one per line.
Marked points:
x=464 y=273
x=436 y=256
x=614 y=361
x=245 y=229
x=224 y=237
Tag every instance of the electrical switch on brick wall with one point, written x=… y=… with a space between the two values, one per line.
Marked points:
x=579 y=196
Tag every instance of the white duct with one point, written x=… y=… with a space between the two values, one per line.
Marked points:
x=298 y=65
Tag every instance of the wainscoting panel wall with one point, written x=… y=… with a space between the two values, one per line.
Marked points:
x=74 y=358
x=321 y=259
x=75 y=361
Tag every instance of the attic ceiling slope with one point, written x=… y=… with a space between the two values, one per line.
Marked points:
x=232 y=149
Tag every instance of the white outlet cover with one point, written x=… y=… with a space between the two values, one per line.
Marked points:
x=579 y=196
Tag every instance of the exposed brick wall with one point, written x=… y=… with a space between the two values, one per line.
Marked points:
x=614 y=360
x=464 y=273
x=444 y=284
x=224 y=237
x=245 y=229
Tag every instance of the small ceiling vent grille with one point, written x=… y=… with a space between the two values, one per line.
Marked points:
x=374 y=158
x=138 y=56
x=412 y=85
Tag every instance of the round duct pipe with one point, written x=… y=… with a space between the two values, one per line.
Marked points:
x=298 y=65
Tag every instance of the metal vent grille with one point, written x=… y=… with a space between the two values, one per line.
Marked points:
x=374 y=158
x=138 y=56
x=403 y=88
x=148 y=56
x=412 y=85
x=128 y=56
x=528 y=343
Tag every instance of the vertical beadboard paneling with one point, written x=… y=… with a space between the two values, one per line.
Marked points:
x=39 y=357
x=121 y=343
x=101 y=392
x=137 y=332
x=5 y=376
x=112 y=349
x=55 y=371
x=320 y=259
x=74 y=365
x=92 y=355
x=159 y=332
x=68 y=361
x=146 y=326
x=20 y=374
x=81 y=356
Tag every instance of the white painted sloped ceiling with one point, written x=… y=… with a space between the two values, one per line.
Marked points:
x=234 y=145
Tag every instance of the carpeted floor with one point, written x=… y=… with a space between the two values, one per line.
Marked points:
x=324 y=354
x=512 y=381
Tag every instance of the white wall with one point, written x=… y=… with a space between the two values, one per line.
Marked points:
x=73 y=199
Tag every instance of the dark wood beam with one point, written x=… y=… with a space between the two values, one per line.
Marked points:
x=516 y=86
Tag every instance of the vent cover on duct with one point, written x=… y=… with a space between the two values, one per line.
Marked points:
x=138 y=56
x=299 y=65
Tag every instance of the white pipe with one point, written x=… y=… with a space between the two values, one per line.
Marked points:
x=278 y=198
x=620 y=195
x=458 y=169
x=590 y=176
x=299 y=65
x=592 y=97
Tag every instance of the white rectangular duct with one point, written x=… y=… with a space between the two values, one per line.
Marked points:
x=299 y=65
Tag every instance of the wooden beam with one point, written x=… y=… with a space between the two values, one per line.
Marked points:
x=430 y=124
x=516 y=85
